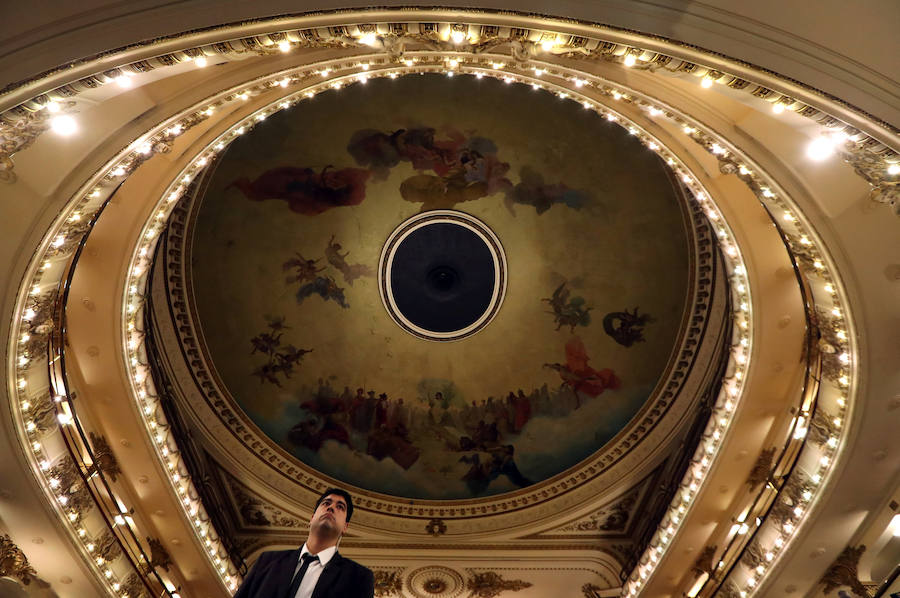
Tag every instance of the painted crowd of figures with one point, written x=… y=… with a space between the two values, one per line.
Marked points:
x=482 y=432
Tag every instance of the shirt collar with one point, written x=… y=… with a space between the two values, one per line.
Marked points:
x=324 y=555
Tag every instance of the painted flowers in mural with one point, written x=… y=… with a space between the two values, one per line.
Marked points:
x=452 y=168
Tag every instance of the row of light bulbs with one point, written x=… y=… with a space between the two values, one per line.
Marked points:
x=138 y=270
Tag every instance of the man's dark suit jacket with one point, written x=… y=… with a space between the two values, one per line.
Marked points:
x=271 y=577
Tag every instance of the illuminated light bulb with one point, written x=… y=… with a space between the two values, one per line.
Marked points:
x=845 y=358
x=64 y=418
x=369 y=39
x=119 y=171
x=309 y=94
x=743 y=170
x=53 y=107
x=629 y=60
x=798 y=511
x=837 y=422
x=498 y=65
x=73 y=517
x=842 y=402
x=549 y=44
x=336 y=85
x=200 y=61
x=767 y=192
x=63 y=499
x=653 y=146
x=284 y=46
x=836 y=312
x=284 y=82
x=579 y=83
x=820 y=149
x=36 y=446
x=770 y=555
x=509 y=80
x=818 y=265
x=728 y=404
x=816 y=478
x=688 y=130
x=804 y=240
x=23 y=361
x=788 y=217
x=706 y=82
x=144 y=149
x=610 y=117
x=655 y=111
x=123 y=81
x=457 y=37
x=632 y=131
x=586 y=105
x=718 y=149
x=825 y=461
x=453 y=62
x=365 y=66
x=409 y=62
x=449 y=73
x=538 y=72
x=893 y=169
x=751 y=581
x=670 y=162
x=829 y=288
x=394 y=75
x=63 y=125
x=244 y=96
x=788 y=527
x=778 y=108
x=616 y=95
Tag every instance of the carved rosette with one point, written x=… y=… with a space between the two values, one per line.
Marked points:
x=435 y=582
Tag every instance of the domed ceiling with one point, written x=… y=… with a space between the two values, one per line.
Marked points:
x=285 y=243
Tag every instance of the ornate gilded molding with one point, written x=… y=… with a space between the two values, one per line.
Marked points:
x=610 y=518
x=843 y=572
x=14 y=563
x=388 y=583
x=490 y=584
x=761 y=468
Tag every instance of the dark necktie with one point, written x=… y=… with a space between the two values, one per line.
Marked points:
x=295 y=584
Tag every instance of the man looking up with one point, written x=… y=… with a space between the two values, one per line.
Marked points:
x=317 y=570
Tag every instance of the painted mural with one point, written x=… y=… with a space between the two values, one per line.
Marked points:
x=284 y=257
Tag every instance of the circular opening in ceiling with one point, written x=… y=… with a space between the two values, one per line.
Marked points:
x=442 y=275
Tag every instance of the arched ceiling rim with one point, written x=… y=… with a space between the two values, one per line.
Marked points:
x=27 y=93
x=45 y=245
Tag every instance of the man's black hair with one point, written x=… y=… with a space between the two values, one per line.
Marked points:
x=343 y=494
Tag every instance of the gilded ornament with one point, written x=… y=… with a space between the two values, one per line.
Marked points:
x=13 y=562
x=388 y=583
x=844 y=572
x=490 y=584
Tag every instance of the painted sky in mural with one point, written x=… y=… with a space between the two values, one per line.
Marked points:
x=284 y=260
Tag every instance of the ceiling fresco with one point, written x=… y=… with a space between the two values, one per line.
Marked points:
x=284 y=275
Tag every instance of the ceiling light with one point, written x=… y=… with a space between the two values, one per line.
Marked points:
x=63 y=125
x=457 y=37
x=706 y=82
x=369 y=39
x=819 y=149
x=124 y=81
x=778 y=108
x=893 y=169
x=200 y=61
x=895 y=525
x=284 y=46
x=630 y=60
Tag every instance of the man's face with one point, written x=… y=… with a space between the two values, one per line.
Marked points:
x=330 y=516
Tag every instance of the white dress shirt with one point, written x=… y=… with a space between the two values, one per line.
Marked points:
x=313 y=572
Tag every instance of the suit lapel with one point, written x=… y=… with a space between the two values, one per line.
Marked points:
x=284 y=572
x=329 y=576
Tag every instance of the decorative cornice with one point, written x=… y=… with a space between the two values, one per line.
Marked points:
x=843 y=572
